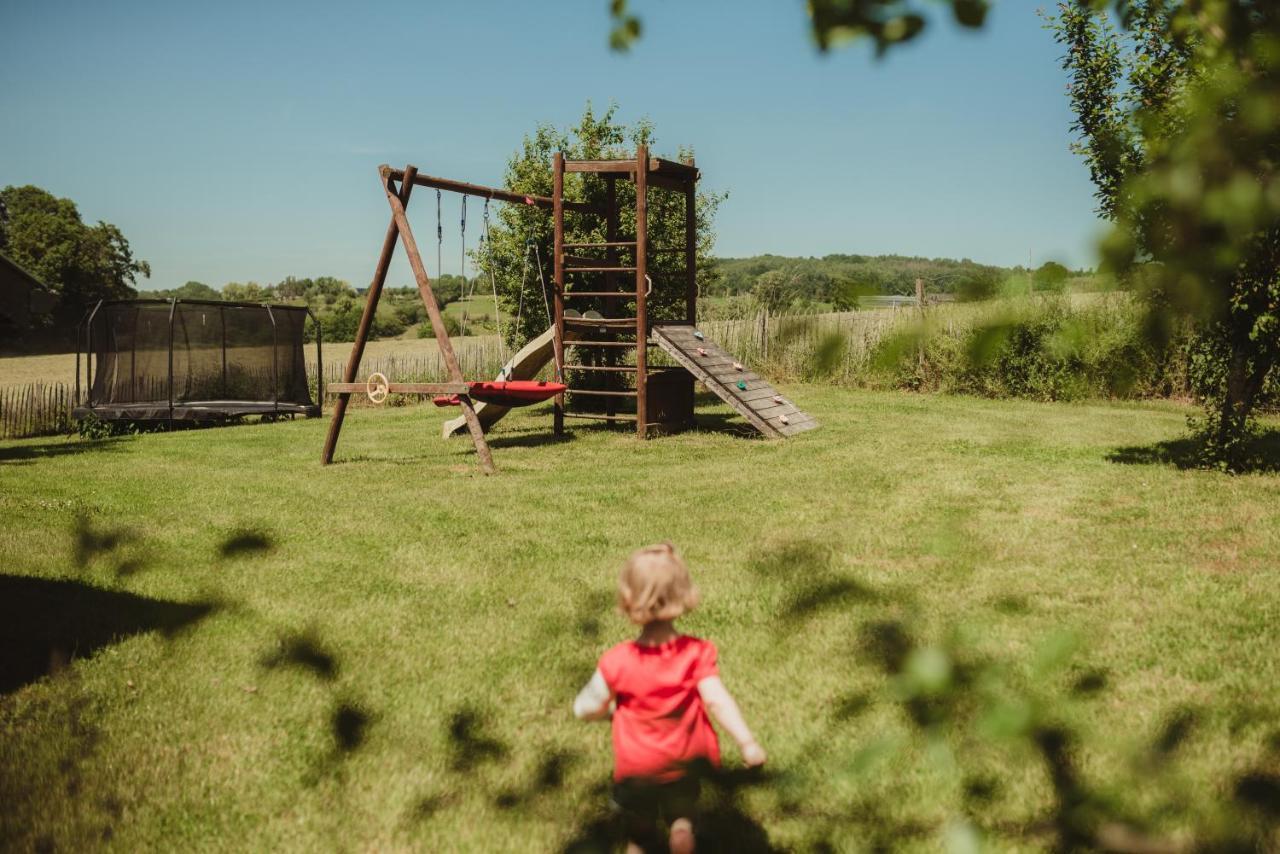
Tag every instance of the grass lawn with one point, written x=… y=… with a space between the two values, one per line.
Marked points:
x=382 y=654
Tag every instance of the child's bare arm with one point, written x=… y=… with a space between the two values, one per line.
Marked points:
x=721 y=705
x=593 y=700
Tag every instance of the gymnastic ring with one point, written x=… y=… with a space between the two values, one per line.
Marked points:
x=376 y=387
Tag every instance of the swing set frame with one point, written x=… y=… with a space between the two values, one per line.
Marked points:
x=398 y=185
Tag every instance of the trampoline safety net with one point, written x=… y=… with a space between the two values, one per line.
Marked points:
x=193 y=360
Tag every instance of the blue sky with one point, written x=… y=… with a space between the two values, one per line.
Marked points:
x=239 y=141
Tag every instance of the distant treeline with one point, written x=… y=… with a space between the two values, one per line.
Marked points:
x=775 y=283
x=778 y=282
x=336 y=304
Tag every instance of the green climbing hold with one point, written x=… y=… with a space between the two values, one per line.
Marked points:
x=742 y=385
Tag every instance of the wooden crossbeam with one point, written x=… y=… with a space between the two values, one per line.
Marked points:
x=481 y=190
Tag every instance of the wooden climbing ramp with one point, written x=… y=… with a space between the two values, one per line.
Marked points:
x=737 y=385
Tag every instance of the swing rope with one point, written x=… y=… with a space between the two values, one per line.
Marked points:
x=462 y=290
x=439 y=239
x=487 y=245
x=531 y=245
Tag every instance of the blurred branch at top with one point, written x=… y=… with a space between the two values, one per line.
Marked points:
x=837 y=22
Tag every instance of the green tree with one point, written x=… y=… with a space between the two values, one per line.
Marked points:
x=191 y=290
x=83 y=263
x=775 y=291
x=247 y=292
x=978 y=284
x=517 y=230
x=447 y=288
x=1176 y=118
x=1050 y=276
x=341 y=322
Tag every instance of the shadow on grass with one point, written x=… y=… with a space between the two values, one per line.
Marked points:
x=349 y=724
x=121 y=545
x=726 y=423
x=1262 y=454
x=302 y=652
x=470 y=742
x=721 y=823
x=246 y=541
x=547 y=778
x=806 y=567
x=28 y=454
x=527 y=439
x=45 y=624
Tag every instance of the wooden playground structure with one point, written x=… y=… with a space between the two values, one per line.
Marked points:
x=613 y=274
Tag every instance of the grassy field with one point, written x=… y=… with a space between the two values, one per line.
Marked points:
x=382 y=654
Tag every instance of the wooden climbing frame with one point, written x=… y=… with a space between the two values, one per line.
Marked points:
x=645 y=171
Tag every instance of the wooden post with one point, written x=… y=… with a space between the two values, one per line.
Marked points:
x=920 y=304
x=433 y=314
x=642 y=314
x=557 y=216
x=611 y=283
x=366 y=319
x=690 y=250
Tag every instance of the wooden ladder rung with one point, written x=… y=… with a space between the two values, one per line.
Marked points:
x=606 y=244
x=621 y=369
x=600 y=343
x=618 y=322
x=629 y=294
x=591 y=392
x=572 y=269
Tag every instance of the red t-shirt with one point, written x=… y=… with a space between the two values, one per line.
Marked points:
x=660 y=722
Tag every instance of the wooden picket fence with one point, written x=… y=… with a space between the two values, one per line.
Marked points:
x=37 y=409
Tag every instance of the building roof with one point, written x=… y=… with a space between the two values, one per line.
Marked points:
x=21 y=293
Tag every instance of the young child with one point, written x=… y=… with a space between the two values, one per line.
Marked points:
x=659 y=689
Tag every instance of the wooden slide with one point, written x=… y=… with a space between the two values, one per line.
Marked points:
x=524 y=365
x=758 y=402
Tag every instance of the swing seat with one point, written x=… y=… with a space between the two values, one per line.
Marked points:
x=507 y=393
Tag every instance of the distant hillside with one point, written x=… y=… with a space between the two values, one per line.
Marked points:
x=824 y=279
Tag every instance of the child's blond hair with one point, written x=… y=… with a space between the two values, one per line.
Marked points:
x=654 y=585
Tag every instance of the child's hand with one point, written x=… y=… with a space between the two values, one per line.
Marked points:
x=753 y=754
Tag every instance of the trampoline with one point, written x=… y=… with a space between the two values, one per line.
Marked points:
x=194 y=361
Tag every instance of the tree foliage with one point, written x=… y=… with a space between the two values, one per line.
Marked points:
x=1177 y=120
x=190 y=290
x=1050 y=276
x=836 y=22
x=775 y=291
x=520 y=237
x=82 y=263
x=841 y=279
